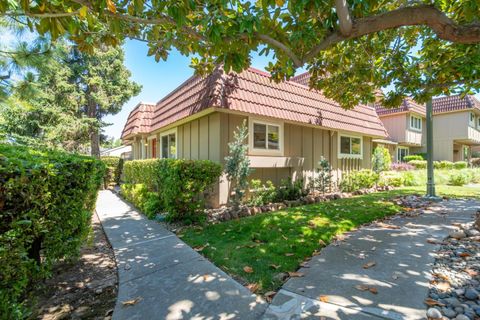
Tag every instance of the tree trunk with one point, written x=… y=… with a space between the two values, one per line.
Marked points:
x=94 y=134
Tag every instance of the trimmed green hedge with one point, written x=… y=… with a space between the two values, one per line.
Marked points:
x=114 y=166
x=170 y=185
x=46 y=202
x=362 y=179
x=413 y=157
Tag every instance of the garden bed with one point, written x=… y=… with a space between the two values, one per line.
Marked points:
x=85 y=289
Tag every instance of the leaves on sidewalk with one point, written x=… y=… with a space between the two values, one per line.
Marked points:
x=323 y=298
x=370 y=264
x=253 y=287
x=363 y=287
x=296 y=274
x=131 y=302
x=431 y=302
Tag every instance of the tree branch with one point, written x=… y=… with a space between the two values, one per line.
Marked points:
x=344 y=19
x=444 y=27
x=275 y=43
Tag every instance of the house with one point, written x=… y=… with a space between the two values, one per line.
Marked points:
x=456 y=127
x=290 y=126
x=406 y=129
x=124 y=152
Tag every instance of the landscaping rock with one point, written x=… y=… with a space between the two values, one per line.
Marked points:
x=471 y=294
x=433 y=313
x=457 y=234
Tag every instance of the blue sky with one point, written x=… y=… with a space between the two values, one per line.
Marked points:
x=157 y=79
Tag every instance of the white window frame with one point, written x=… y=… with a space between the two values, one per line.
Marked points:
x=478 y=123
x=349 y=155
x=412 y=118
x=401 y=148
x=266 y=151
x=166 y=133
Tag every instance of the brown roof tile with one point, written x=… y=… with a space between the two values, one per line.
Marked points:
x=408 y=105
x=455 y=103
x=139 y=120
x=252 y=92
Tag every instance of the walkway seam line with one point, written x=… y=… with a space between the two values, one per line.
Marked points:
x=146 y=241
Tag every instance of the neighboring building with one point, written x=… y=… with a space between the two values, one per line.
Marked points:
x=406 y=129
x=456 y=127
x=290 y=126
x=124 y=152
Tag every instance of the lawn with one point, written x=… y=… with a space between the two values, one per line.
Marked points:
x=255 y=250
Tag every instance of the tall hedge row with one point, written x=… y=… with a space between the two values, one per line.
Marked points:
x=46 y=202
x=170 y=185
x=114 y=170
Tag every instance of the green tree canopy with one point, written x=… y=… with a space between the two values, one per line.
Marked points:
x=420 y=48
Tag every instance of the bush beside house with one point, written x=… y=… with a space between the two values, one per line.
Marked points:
x=46 y=203
x=113 y=173
x=175 y=186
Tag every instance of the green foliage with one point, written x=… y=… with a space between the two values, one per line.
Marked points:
x=361 y=179
x=46 y=202
x=262 y=194
x=381 y=159
x=171 y=185
x=391 y=179
x=237 y=164
x=460 y=165
x=475 y=162
x=421 y=56
x=323 y=180
x=443 y=165
x=459 y=179
x=413 y=157
x=114 y=169
x=290 y=190
x=418 y=164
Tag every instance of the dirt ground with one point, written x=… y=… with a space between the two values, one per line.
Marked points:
x=86 y=289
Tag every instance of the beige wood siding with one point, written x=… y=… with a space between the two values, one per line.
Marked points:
x=396 y=126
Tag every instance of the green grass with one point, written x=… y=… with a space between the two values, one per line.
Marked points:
x=286 y=238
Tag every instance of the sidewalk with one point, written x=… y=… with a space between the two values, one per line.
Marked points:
x=166 y=278
x=403 y=261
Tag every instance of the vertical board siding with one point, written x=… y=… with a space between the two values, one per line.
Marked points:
x=203 y=138
x=214 y=137
x=186 y=141
x=194 y=140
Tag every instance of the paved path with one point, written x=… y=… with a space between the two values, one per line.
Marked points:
x=172 y=280
x=401 y=275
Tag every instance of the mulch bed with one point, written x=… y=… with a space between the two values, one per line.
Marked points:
x=84 y=289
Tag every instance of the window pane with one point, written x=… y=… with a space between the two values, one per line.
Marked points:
x=345 y=145
x=172 y=146
x=356 y=149
x=273 y=137
x=165 y=147
x=259 y=136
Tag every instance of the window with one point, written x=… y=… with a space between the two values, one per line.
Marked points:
x=478 y=122
x=350 y=147
x=415 y=123
x=169 y=144
x=472 y=119
x=265 y=137
x=401 y=153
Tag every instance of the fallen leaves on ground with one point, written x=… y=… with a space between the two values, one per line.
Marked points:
x=199 y=248
x=464 y=254
x=131 y=302
x=296 y=274
x=248 y=269
x=269 y=295
x=323 y=298
x=304 y=264
x=253 y=287
x=275 y=266
x=443 y=286
x=289 y=254
x=431 y=302
x=363 y=287
x=369 y=264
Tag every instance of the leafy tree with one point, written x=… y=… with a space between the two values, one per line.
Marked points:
x=67 y=98
x=323 y=181
x=237 y=164
x=381 y=159
x=422 y=48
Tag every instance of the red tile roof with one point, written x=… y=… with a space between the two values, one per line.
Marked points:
x=139 y=119
x=252 y=92
x=455 y=103
x=408 y=105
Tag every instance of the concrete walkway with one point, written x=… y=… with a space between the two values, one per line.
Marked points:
x=167 y=278
x=401 y=274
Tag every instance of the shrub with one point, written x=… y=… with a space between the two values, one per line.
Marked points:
x=262 y=193
x=418 y=164
x=401 y=166
x=46 y=202
x=290 y=190
x=447 y=165
x=475 y=162
x=381 y=159
x=323 y=181
x=413 y=157
x=359 y=180
x=393 y=179
x=459 y=179
x=237 y=164
x=114 y=169
x=183 y=183
x=171 y=185
x=460 y=165
x=411 y=179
